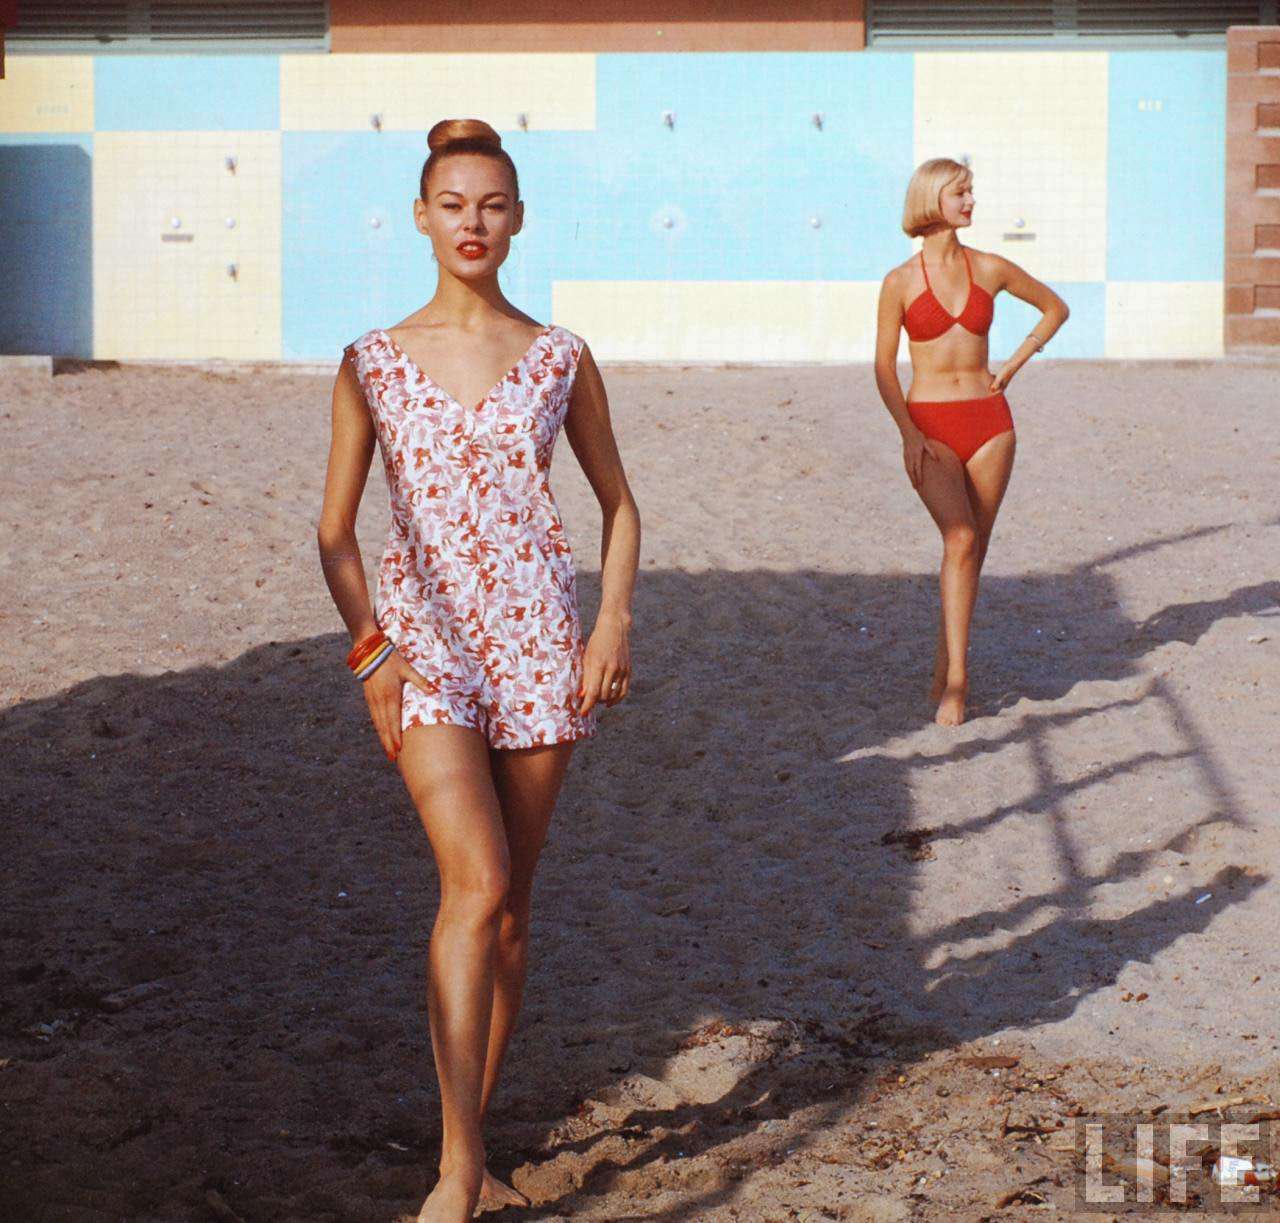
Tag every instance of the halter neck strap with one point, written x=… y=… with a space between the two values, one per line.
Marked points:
x=967 y=266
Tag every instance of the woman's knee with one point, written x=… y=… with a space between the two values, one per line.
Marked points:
x=476 y=892
x=514 y=926
x=960 y=541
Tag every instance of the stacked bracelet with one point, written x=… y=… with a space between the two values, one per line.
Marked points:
x=363 y=646
x=369 y=654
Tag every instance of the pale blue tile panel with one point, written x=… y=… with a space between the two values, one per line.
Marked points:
x=209 y=93
x=1166 y=165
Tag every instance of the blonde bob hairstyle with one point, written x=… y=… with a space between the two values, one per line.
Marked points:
x=923 y=208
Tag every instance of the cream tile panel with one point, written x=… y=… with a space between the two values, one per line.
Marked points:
x=1150 y=319
x=412 y=92
x=47 y=93
x=1034 y=125
x=162 y=299
x=721 y=320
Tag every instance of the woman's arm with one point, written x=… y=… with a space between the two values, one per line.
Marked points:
x=1053 y=313
x=350 y=454
x=915 y=446
x=590 y=433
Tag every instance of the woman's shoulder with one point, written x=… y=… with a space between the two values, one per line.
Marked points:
x=900 y=273
x=991 y=267
x=987 y=260
x=564 y=336
x=363 y=341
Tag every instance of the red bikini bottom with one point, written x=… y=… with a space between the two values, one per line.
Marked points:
x=963 y=424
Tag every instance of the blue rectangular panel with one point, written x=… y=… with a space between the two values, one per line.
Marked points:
x=46 y=244
x=208 y=93
x=1166 y=167
x=744 y=185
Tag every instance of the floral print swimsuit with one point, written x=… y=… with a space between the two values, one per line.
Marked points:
x=476 y=586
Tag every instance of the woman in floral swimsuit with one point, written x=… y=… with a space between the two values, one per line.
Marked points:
x=473 y=666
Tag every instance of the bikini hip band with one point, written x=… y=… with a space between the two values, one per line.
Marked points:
x=963 y=424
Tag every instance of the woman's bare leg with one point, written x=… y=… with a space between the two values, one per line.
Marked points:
x=944 y=493
x=987 y=477
x=939 y=682
x=447 y=771
x=528 y=783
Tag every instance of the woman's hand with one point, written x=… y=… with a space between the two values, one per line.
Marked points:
x=606 y=663
x=915 y=449
x=383 y=691
x=1001 y=380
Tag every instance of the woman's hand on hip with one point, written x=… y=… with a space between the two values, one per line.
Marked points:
x=1001 y=379
x=606 y=663
x=383 y=692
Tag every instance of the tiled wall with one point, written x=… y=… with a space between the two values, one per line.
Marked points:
x=246 y=207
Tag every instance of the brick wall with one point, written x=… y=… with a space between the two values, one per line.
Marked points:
x=1252 y=280
x=524 y=26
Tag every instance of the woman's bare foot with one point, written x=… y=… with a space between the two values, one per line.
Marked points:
x=496 y=1194
x=455 y=1196
x=951 y=705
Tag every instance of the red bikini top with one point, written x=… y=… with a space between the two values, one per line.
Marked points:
x=925 y=319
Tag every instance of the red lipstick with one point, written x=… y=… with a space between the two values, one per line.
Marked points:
x=472 y=249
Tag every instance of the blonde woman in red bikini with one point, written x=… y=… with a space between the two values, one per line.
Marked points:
x=474 y=667
x=957 y=431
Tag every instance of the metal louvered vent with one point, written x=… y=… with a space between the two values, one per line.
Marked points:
x=1059 y=22
x=1176 y=20
x=964 y=19
x=141 y=25
x=103 y=20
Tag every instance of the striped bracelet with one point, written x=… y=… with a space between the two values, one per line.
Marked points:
x=378 y=659
x=366 y=656
x=364 y=648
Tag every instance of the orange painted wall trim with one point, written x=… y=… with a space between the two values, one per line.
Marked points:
x=599 y=25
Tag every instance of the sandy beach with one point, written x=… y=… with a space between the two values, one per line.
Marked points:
x=779 y=907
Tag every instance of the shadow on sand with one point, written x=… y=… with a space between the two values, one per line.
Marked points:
x=229 y=844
